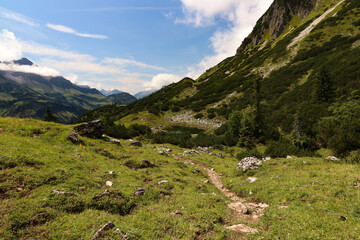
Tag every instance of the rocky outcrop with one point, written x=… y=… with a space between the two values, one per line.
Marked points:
x=249 y=163
x=94 y=129
x=276 y=19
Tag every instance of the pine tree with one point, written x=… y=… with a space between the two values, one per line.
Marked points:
x=258 y=118
x=324 y=86
x=49 y=117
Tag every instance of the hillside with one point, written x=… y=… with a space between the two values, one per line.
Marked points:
x=51 y=188
x=27 y=95
x=300 y=63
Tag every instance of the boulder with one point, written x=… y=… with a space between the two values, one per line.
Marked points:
x=94 y=129
x=249 y=163
x=136 y=144
x=74 y=137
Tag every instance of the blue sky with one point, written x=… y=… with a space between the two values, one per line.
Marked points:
x=131 y=45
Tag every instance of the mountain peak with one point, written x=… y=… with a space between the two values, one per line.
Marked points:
x=24 y=61
x=275 y=20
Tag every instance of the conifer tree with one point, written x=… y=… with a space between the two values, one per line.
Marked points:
x=49 y=117
x=324 y=86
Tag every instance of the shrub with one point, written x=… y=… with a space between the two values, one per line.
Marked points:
x=249 y=153
x=283 y=148
x=354 y=157
x=199 y=115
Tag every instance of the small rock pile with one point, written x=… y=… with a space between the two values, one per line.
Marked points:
x=206 y=150
x=249 y=163
x=192 y=151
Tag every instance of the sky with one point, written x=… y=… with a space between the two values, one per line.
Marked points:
x=130 y=45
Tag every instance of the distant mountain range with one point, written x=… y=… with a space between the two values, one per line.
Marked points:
x=143 y=94
x=27 y=95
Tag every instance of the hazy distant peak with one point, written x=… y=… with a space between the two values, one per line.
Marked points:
x=23 y=61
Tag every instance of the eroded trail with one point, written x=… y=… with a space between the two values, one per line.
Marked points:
x=240 y=206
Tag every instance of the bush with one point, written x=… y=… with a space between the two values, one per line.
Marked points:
x=199 y=115
x=222 y=129
x=283 y=148
x=249 y=153
x=354 y=157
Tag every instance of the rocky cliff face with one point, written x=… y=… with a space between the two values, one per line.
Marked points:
x=276 y=19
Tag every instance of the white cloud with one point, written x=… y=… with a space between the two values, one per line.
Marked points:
x=19 y=18
x=44 y=71
x=44 y=50
x=161 y=80
x=69 y=30
x=123 y=62
x=241 y=16
x=10 y=48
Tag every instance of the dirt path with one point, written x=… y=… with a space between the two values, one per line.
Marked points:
x=243 y=209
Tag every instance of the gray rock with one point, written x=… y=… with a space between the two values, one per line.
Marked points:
x=251 y=179
x=249 y=163
x=289 y=157
x=162 y=153
x=162 y=182
x=140 y=191
x=192 y=151
x=94 y=129
x=104 y=228
x=108 y=183
x=136 y=144
x=333 y=158
x=206 y=150
x=74 y=137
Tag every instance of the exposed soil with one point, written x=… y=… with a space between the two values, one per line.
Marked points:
x=243 y=209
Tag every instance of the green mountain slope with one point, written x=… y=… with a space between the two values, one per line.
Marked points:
x=284 y=55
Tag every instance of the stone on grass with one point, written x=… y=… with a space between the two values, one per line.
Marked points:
x=74 y=137
x=192 y=151
x=249 y=163
x=93 y=129
x=108 y=183
x=242 y=228
x=163 y=181
x=162 y=153
x=251 y=179
x=140 y=191
x=100 y=232
x=333 y=158
x=239 y=207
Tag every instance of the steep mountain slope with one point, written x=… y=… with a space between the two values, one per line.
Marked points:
x=28 y=94
x=283 y=57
